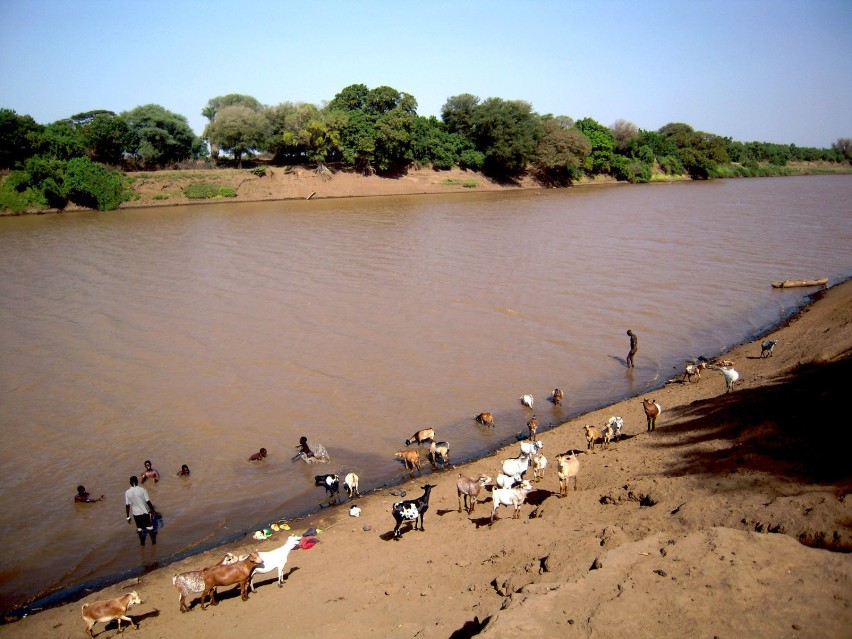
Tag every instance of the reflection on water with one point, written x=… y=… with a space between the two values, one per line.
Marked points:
x=197 y=335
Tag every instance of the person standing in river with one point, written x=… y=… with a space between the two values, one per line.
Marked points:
x=634 y=346
x=138 y=503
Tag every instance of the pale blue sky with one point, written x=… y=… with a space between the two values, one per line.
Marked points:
x=775 y=71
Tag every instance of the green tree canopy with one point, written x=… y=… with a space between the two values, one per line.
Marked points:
x=159 y=137
x=603 y=145
x=106 y=136
x=238 y=129
x=17 y=135
x=561 y=153
x=506 y=132
x=458 y=114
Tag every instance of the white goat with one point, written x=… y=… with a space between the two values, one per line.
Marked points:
x=505 y=481
x=275 y=559
x=617 y=424
x=516 y=466
x=530 y=448
x=350 y=483
x=526 y=400
x=539 y=463
x=731 y=376
x=514 y=497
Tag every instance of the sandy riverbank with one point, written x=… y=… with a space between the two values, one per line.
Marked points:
x=715 y=524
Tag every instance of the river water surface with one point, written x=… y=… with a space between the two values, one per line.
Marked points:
x=196 y=335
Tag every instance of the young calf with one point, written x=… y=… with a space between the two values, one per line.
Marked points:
x=411 y=510
x=108 y=609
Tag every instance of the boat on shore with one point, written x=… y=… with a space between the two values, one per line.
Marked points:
x=822 y=281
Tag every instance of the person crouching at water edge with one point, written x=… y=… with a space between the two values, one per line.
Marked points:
x=320 y=454
x=138 y=503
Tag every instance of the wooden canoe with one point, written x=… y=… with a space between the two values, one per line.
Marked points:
x=794 y=283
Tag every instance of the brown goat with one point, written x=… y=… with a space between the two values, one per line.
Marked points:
x=486 y=419
x=228 y=575
x=557 y=396
x=592 y=435
x=532 y=425
x=652 y=411
x=108 y=609
x=410 y=457
x=421 y=436
x=469 y=488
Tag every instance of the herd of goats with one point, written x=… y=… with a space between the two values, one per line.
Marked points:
x=510 y=489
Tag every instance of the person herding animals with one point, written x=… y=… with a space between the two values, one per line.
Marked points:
x=634 y=346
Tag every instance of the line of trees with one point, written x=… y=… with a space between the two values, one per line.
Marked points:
x=371 y=130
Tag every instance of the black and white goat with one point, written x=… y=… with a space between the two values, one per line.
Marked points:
x=331 y=483
x=411 y=510
x=767 y=347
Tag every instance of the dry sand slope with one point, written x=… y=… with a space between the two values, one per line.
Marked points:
x=731 y=519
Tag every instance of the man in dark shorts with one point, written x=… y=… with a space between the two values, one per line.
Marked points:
x=634 y=346
x=138 y=503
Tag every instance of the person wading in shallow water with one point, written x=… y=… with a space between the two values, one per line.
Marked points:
x=634 y=346
x=138 y=503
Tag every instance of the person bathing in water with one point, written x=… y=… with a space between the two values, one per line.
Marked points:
x=184 y=471
x=150 y=473
x=82 y=496
x=310 y=456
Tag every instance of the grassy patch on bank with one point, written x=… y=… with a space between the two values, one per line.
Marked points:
x=468 y=184
x=204 y=190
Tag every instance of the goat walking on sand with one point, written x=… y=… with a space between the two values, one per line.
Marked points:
x=731 y=376
x=108 y=609
x=652 y=411
x=274 y=560
x=221 y=575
